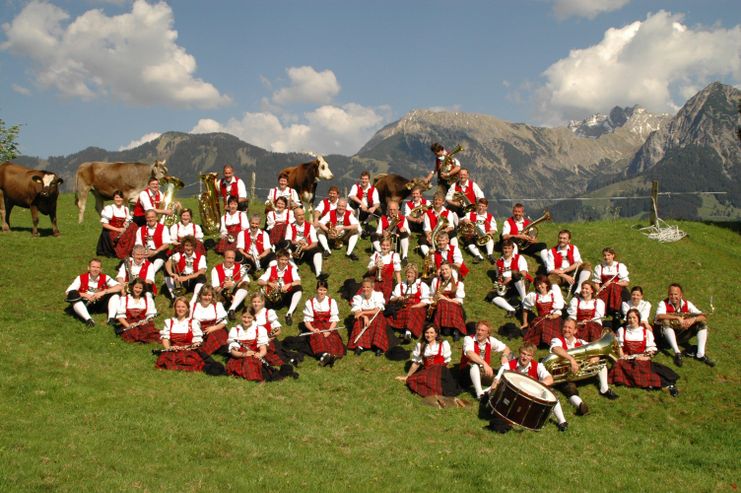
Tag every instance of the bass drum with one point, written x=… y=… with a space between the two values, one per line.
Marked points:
x=522 y=401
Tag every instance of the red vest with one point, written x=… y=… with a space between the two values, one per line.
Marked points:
x=307 y=230
x=513 y=265
x=322 y=316
x=345 y=219
x=433 y=217
x=532 y=371
x=469 y=193
x=287 y=275
x=685 y=308
x=259 y=241
x=186 y=338
x=142 y=233
x=369 y=198
x=233 y=189
x=326 y=207
x=565 y=346
x=465 y=362
x=196 y=261
x=544 y=308
x=237 y=271
x=155 y=200
x=585 y=314
x=513 y=229
x=385 y=222
x=416 y=297
x=558 y=259
x=473 y=217
x=634 y=347
x=462 y=270
x=85 y=282
x=136 y=314
x=438 y=359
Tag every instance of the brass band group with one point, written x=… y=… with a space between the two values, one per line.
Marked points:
x=594 y=322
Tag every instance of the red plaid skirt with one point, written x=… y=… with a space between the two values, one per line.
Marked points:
x=427 y=381
x=634 y=373
x=126 y=241
x=247 y=368
x=223 y=245
x=375 y=336
x=386 y=287
x=411 y=319
x=591 y=331
x=278 y=233
x=144 y=333
x=214 y=341
x=449 y=315
x=613 y=298
x=272 y=356
x=188 y=360
x=542 y=330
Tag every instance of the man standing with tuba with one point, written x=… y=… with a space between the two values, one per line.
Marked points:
x=480 y=229
x=446 y=166
x=149 y=198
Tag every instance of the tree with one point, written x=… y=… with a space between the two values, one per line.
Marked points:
x=8 y=141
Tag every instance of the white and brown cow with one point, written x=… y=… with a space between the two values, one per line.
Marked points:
x=29 y=188
x=304 y=178
x=395 y=187
x=105 y=178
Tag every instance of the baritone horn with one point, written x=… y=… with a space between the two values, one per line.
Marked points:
x=591 y=358
x=208 y=204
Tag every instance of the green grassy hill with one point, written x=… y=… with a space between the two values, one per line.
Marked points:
x=83 y=411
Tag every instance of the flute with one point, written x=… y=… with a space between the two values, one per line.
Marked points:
x=175 y=349
x=140 y=323
x=305 y=334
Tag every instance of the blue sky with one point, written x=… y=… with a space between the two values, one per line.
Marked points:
x=325 y=75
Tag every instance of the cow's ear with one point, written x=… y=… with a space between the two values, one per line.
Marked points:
x=59 y=181
x=37 y=179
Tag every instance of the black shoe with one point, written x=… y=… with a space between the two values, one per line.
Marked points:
x=358 y=351
x=404 y=262
x=690 y=353
x=492 y=261
x=582 y=410
x=112 y=322
x=609 y=394
x=352 y=257
x=324 y=360
x=477 y=260
x=706 y=360
x=378 y=352
x=90 y=322
x=407 y=337
x=289 y=319
x=673 y=391
x=563 y=426
x=323 y=276
x=678 y=359
x=456 y=336
x=326 y=253
x=231 y=315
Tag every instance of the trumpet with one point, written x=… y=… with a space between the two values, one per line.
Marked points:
x=300 y=246
x=379 y=268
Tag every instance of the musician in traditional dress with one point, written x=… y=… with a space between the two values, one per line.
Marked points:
x=230 y=281
x=560 y=346
x=636 y=301
x=232 y=186
x=138 y=266
x=301 y=240
x=94 y=291
x=483 y=226
x=634 y=367
x=588 y=312
x=181 y=336
x=283 y=190
x=339 y=225
x=447 y=303
x=321 y=315
x=149 y=198
x=369 y=329
x=446 y=167
x=385 y=266
x=254 y=246
x=278 y=220
x=429 y=373
x=155 y=238
x=463 y=195
x=186 y=227
x=477 y=359
x=247 y=350
x=186 y=271
x=514 y=229
x=679 y=321
x=397 y=227
x=527 y=365
x=447 y=252
x=546 y=304
x=364 y=197
x=411 y=297
x=564 y=263
x=267 y=320
x=282 y=284
x=415 y=208
x=135 y=313
x=119 y=231
x=512 y=276
x=431 y=218
x=611 y=278
x=327 y=204
x=211 y=315
x=233 y=222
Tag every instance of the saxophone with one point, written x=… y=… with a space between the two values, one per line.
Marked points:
x=591 y=358
x=437 y=296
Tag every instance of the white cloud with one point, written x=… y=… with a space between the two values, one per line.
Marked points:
x=21 y=89
x=143 y=140
x=132 y=57
x=308 y=86
x=585 y=8
x=643 y=63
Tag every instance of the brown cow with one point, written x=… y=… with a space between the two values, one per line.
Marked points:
x=105 y=178
x=396 y=187
x=32 y=189
x=304 y=177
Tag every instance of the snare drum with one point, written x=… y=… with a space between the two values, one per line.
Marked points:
x=522 y=401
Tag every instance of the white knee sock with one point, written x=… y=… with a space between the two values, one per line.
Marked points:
x=157 y=264
x=351 y=243
x=520 y=287
x=80 y=309
x=558 y=413
x=238 y=298
x=113 y=303
x=170 y=285
x=318 y=260
x=425 y=250
x=575 y=400
x=702 y=339
x=323 y=241
x=474 y=250
x=671 y=338
x=475 y=373
x=584 y=275
x=404 y=242
x=602 y=375
x=295 y=298
x=377 y=245
x=490 y=247
x=502 y=303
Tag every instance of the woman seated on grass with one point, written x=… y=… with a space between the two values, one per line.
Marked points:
x=212 y=317
x=429 y=373
x=247 y=349
x=181 y=336
x=135 y=313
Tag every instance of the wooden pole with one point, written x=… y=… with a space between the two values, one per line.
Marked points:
x=654 y=202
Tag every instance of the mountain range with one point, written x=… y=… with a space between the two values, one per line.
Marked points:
x=618 y=154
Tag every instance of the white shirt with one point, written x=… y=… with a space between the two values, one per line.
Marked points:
x=636 y=335
x=470 y=343
x=146 y=200
x=410 y=204
x=300 y=229
x=484 y=221
x=242 y=241
x=267 y=316
x=477 y=192
x=401 y=227
x=213 y=311
x=92 y=286
x=556 y=342
x=542 y=372
x=460 y=292
x=110 y=211
x=402 y=289
x=452 y=220
x=149 y=232
x=175 y=326
x=389 y=258
x=554 y=294
x=241 y=187
x=238 y=217
x=507 y=230
x=281 y=273
x=431 y=350
x=135 y=268
x=240 y=334
x=326 y=305
x=190 y=261
x=618 y=268
x=508 y=267
x=661 y=308
x=364 y=201
x=289 y=193
x=179 y=231
x=361 y=303
x=644 y=308
x=598 y=305
x=145 y=302
x=228 y=272
x=274 y=217
x=550 y=263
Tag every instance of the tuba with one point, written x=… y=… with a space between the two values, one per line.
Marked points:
x=531 y=230
x=447 y=165
x=603 y=350
x=170 y=185
x=208 y=204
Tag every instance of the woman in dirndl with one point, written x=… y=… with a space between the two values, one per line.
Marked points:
x=248 y=347
x=588 y=312
x=389 y=264
x=186 y=227
x=448 y=294
x=278 y=220
x=135 y=313
x=212 y=317
x=429 y=373
x=369 y=328
x=267 y=320
x=181 y=336
x=321 y=315
x=547 y=302
x=412 y=297
x=611 y=279
x=232 y=222
x=119 y=230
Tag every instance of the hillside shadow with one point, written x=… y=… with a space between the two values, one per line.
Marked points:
x=734 y=226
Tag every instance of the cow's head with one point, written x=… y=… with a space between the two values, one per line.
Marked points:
x=322 y=167
x=49 y=183
x=159 y=170
x=419 y=182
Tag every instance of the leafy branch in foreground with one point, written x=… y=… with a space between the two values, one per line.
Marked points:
x=8 y=141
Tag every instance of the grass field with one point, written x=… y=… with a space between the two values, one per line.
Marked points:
x=82 y=411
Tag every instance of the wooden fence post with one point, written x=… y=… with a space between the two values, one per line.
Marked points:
x=654 y=202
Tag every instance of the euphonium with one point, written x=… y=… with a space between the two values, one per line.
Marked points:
x=532 y=231
x=335 y=236
x=417 y=212
x=274 y=295
x=482 y=237
x=447 y=163
x=465 y=204
x=170 y=185
x=442 y=225
x=208 y=204
x=591 y=358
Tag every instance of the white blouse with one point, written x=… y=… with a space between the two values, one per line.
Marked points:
x=598 y=305
x=618 y=268
x=326 y=305
x=431 y=351
x=110 y=211
x=240 y=334
x=175 y=326
x=554 y=294
x=145 y=302
x=389 y=258
x=403 y=289
x=361 y=303
x=460 y=291
x=209 y=312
